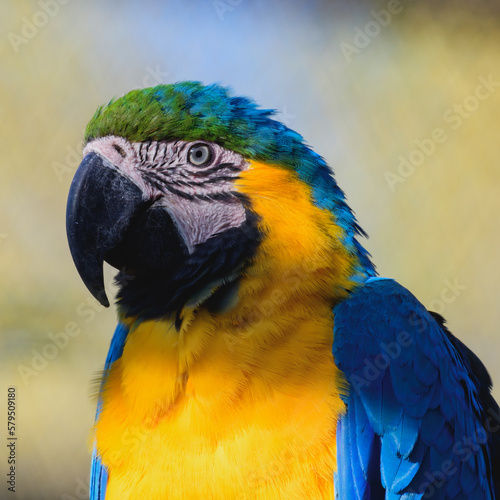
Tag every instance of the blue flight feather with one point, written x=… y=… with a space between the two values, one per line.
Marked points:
x=413 y=385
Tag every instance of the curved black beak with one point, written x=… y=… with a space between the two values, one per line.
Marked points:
x=109 y=219
x=101 y=205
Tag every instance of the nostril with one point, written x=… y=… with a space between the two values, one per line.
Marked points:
x=120 y=150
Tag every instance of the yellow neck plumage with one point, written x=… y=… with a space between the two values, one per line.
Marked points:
x=241 y=404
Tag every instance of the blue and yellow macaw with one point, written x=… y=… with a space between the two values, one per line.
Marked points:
x=258 y=355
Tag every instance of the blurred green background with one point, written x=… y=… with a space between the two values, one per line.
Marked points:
x=401 y=98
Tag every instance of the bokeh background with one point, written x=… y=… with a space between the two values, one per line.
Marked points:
x=366 y=83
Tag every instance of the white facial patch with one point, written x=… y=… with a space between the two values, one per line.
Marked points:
x=200 y=199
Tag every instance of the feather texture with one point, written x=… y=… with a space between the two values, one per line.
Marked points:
x=191 y=111
x=413 y=385
x=221 y=371
x=98 y=473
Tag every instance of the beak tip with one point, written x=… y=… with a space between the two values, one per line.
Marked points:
x=100 y=296
x=104 y=302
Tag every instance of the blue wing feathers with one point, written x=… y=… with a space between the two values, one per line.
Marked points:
x=432 y=425
x=415 y=425
x=359 y=482
x=98 y=478
x=420 y=393
x=348 y=476
x=396 y=472
x=98 y=473
x=365 y=440
x=425 y=370
x=359 y=470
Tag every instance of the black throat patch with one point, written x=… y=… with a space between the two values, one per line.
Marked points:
x=203 y=276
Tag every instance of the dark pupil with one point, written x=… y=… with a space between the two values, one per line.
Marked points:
x=199 y=153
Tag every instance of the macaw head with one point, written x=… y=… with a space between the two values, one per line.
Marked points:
x=187 y=190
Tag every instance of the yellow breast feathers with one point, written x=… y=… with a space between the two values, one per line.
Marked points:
x=242 y=404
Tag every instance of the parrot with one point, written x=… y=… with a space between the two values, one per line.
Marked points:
x=258 y=353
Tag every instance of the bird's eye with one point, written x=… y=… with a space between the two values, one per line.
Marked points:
x=199 y=155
